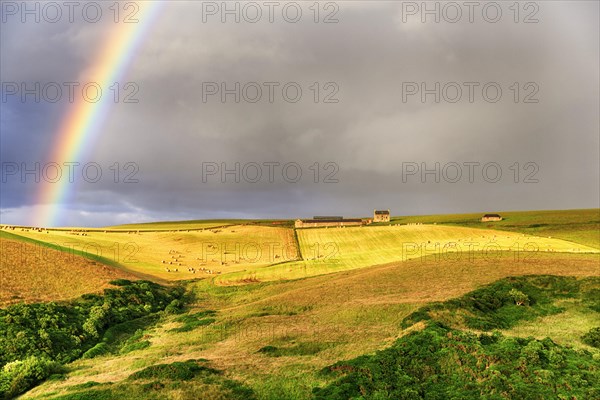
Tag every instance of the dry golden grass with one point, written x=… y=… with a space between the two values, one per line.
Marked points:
x=33 y=273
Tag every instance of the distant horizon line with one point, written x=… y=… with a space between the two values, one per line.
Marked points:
x=288 y=219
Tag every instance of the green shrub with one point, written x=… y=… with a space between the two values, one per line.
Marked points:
x=301 y=349
x=120 y=282
x=135 y=346
x=193 y=321
x=441 y=363
x=18 y=376
x=592 y=338
x=175 y=307
x=520 y=298
x=98 y=350
x=85 y=385
x=592 y=299
x=124 y=331
x=269 y=350
x=65 y=331
x=499 y=305
x=103 y=394
x=177 y=371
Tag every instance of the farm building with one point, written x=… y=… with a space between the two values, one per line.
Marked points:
x=381 y=215
x=328 y=222
x=491 y=217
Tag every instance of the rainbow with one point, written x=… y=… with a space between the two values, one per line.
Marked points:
x=81 y=125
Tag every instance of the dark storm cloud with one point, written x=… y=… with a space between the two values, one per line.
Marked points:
x=370 y=134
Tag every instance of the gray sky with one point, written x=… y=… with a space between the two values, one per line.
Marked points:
x=371 y=145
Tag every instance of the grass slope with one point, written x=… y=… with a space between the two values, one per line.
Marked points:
x=327 y=250
x=233 y=248
x=259 y=251
x=275 y=336
x=33 y=272
x=439 y=361
x=310 y=323
x=578 y=226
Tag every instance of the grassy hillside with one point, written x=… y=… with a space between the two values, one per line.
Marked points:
x=276 y=337
x=440 y=361
x=270 y=338
x=33 y=272
x=256 y=252
x=327 y=250
x=579 y=226
x=218 y=250
x=180 y=225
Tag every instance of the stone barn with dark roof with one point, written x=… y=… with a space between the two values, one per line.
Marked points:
x=322 y=223
x=491 y=218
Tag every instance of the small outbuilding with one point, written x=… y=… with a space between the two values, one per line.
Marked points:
x=491 y=218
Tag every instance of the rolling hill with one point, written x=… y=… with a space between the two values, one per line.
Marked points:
x=33 y=272
x=268 y=332
x=218 y=250
x=259 y=251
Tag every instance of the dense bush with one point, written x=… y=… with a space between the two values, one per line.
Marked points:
x=592 y=338
x=178 y=371
x=207 y=380
x=98 y=350
x=18 y=376
x=505 y=303
x=193 y=321
x=104 y=394
x=135 y=346
x=442 y=363
x=300 y=349
x=66 y=331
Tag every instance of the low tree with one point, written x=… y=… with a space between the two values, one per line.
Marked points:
x=520 y=298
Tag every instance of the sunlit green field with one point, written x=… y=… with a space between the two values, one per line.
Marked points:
x=253 y=252
x=578 y=226
x=326 y=250
x=218 y=250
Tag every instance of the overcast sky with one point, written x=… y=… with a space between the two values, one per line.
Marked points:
x=369 y=134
